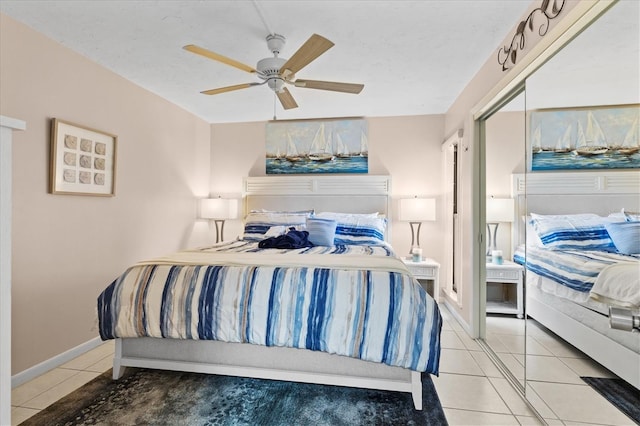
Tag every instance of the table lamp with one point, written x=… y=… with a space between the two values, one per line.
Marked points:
x=415 y=211
x=219 y=209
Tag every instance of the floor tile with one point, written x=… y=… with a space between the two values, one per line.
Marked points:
x=587 y=367
x=550 y=369
x=512 y=363
x=459 y=362
x=557 y=346
x=477 y=418
x=450 y=340
x=53 y=394
x=101 y=366
x=505 y=325
x=511 y=397
x=40 y=384
x=530 y=421
x=468 y=393
x=20 y=414
x=488 y=367
x=493 y=340
x=88 y=358
x=468 y=342
x=579 y=403
x=538 y=403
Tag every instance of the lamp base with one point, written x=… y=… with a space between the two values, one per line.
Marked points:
x=219 y=230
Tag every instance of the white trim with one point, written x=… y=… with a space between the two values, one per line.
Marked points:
x=7 y=127
x=453 y=311
x=576 y=183
x=56 y=361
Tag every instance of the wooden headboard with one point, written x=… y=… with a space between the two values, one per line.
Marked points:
x=346 y=194
x=601 y=193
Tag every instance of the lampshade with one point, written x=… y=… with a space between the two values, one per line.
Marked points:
x=417 y=209
x=499 y=210
x=218 y=208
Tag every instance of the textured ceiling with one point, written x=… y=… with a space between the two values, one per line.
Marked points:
x=414 y=57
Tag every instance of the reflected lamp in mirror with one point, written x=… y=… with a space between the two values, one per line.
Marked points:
x=219 y=209
x=415 y=211
x=499 y=210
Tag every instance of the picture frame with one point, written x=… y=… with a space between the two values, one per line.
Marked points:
x=317 y=146
x=584 y=138
x=83 y=160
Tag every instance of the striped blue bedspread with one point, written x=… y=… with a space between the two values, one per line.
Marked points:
x=576 y=269
x=357 y=301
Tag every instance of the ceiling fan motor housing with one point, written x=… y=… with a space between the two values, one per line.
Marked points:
x=269 y=69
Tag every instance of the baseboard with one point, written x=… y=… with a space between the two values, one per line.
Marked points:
x=454 y=312
x=51 y=363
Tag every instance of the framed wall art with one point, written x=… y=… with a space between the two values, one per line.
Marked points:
x=337 y=145
x=83 y=160
x=596 y=137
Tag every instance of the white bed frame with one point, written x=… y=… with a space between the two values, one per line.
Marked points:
x=349 y=194
x=579 y=192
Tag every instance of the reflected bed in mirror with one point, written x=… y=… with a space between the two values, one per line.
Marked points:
x=572 y=278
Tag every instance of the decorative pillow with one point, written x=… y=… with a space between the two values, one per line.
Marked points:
x=256 y=225
x=625 y=236
x=357 y=229
x=532 y=238
x=311 y=211
x=625 y=216
x=573 y=232
x=346 y=216
x=321 y=231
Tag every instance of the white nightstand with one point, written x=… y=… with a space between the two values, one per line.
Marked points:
x=426 y=270
x=504 y=289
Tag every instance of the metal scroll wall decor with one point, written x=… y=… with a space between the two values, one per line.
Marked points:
x=547 y=11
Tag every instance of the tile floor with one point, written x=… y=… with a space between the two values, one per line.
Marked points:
x=553 y=373
x=471 y=389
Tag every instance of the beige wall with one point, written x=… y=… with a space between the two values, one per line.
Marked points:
x=505 y=149
x=66 y=249
x=406 y=148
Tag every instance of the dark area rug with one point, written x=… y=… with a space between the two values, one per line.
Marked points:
x=156 y=397
x=620 y=393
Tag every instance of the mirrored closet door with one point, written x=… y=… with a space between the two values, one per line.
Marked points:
x=504 y=133
x=582 y=159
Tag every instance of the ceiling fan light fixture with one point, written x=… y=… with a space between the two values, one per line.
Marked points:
x=276 y=84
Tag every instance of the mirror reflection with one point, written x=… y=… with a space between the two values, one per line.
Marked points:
x=576 y=226
x=505 y=326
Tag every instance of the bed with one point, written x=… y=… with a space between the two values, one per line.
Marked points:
x=574 y=271
x=347 y=314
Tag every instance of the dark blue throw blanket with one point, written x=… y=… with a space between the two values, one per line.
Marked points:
x=291 y=240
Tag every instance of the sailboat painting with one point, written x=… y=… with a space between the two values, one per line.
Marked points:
x=599 y=137
x=317 y=146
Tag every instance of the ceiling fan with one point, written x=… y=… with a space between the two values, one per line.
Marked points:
x=276 y=71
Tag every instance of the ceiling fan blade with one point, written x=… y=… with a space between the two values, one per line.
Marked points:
x=329 y=85
x=229 y=88
x=286 y=99
x=310 y=50
x=217 y=57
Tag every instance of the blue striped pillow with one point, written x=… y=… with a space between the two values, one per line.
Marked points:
x=573 y=232
x=625 y=236
x=354 y=229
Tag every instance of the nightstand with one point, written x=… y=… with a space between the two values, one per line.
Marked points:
x=425 y=270
x=504 y=289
